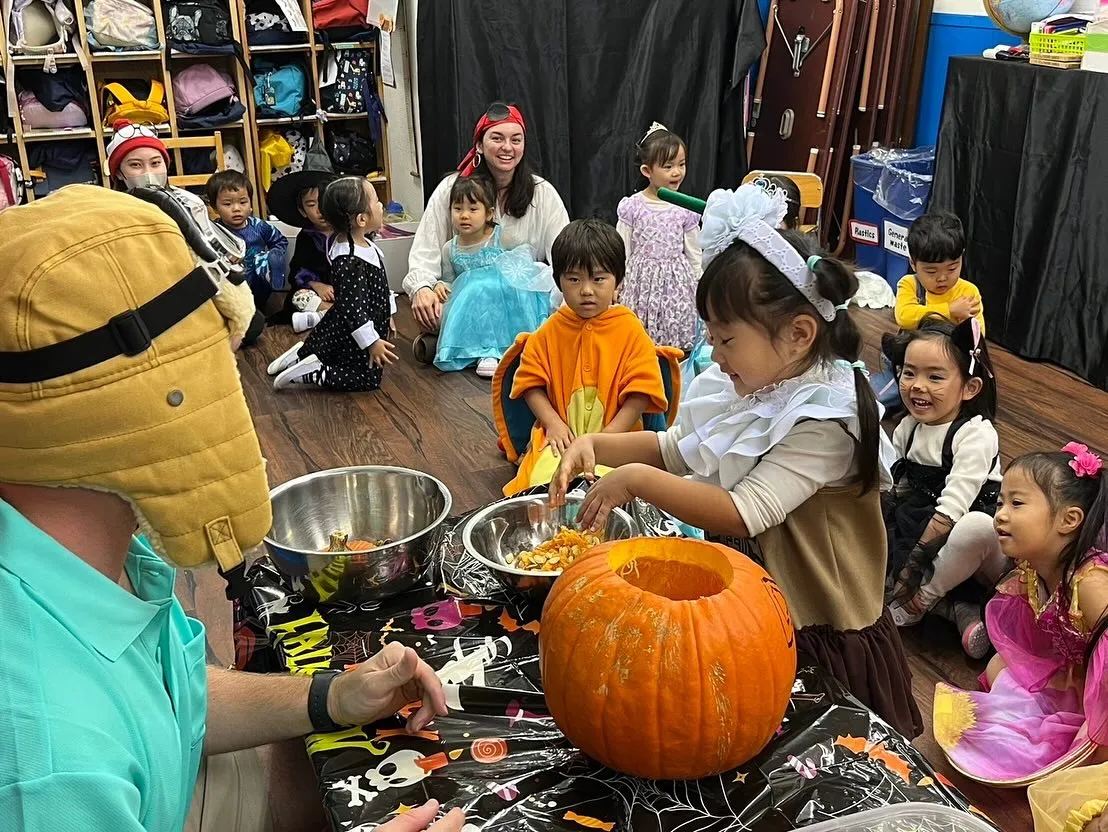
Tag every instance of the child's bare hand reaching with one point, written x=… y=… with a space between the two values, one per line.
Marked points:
x=558 y=437
x=442 y=291
x=382 y=353
x=963 y=309
x=579 y=458
x=325 y=291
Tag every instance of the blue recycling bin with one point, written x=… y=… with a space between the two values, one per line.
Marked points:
x=866 y=218
x=902 y=193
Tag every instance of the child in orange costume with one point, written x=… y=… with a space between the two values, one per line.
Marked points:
x=591 y=367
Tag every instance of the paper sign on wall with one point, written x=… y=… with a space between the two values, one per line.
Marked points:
x=896 y=238
x=388 y=76
x=382 y=14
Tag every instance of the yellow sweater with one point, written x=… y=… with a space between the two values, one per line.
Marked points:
x=910 y=312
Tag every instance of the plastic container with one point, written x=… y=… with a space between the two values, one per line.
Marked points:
x=865 y=220
x=906 y=817
x=902 y=193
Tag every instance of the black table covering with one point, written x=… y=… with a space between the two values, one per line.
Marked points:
x=499 y=755
x=1022 y=158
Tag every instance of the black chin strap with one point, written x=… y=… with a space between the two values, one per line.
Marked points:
x=130 y=333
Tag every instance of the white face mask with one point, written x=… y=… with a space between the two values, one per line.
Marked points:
x=146 y=180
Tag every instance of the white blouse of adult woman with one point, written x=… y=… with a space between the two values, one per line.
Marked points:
x=499 y=143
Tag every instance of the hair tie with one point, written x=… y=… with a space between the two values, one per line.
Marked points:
x=815 y=258
x=860 y=365
x=1084 y=463
x=843 y=307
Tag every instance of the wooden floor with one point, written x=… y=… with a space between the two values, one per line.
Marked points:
x=441 y=424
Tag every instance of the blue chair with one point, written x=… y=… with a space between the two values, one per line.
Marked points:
x=514 y=420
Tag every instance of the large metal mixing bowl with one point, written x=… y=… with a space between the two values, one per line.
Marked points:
x=520 y=524
x=368 y=503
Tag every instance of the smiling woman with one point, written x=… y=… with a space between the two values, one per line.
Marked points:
x=527 y=209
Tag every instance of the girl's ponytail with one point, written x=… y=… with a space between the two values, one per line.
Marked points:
x=837 y=283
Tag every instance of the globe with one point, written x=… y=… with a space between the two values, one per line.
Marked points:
x=1016 y=16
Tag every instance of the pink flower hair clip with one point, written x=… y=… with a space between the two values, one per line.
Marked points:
x=1084 y=463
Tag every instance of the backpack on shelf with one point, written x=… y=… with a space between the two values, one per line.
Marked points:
x=316 y=158
x=119 y=25
x=11 y=183
x=39 y=26
x=192 y=25
x=57 y=164
x=204 y=97
x=280 y=91
x=275 y=22
x=340 y=14
x=121 y=104
x=351 y=152
x=346 y=81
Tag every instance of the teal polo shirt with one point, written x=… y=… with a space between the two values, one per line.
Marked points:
x=103 y=694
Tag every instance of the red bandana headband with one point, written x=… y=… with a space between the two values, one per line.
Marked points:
x=497 y=114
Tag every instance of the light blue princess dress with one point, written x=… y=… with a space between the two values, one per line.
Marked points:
x=497 y=294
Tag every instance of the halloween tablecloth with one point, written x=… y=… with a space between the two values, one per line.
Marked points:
x=500 y=756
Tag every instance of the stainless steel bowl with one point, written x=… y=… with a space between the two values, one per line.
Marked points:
x=520 y=524
x=369 y=503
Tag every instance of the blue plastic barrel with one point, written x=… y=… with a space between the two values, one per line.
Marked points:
x=902 y=193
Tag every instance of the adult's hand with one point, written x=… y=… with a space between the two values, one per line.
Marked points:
x=382 y=685
x=427 y=309
x=420 y=818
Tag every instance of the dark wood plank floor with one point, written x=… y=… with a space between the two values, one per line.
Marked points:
x=440 y=423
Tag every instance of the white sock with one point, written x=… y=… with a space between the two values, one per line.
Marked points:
x=303 y=321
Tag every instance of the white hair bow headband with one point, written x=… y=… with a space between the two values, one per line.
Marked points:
x=752 y=214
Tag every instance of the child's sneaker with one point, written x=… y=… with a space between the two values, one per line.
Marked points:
x=308 y=371
x=303 y=321
x=486 y=367
x=285 y=360
x=424 y=346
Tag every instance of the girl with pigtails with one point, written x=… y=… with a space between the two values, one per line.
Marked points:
x=777 y=449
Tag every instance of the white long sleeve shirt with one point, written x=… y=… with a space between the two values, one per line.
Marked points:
x=538 y=228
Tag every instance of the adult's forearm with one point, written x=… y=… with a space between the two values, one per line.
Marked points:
x=246 y=710
x=616 y=449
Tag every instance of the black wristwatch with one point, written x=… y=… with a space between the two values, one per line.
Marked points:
x=317 y=702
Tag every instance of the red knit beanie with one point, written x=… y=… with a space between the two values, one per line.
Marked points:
x=130 y=137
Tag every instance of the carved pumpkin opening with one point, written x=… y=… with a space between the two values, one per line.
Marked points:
x=679 y=574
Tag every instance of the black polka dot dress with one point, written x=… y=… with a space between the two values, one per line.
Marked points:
x=362 y=297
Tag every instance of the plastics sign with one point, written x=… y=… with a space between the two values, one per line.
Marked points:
x=865 y=233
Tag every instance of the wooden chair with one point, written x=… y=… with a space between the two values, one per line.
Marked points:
x=811 y=191
x=191 y=180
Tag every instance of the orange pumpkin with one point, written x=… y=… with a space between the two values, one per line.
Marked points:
x=667 y=659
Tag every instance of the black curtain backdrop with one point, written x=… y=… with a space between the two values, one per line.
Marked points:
x=590 y=76
x=1019 y=160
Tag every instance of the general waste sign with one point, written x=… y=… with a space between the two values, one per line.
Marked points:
x=896 y=238
x=865 y=233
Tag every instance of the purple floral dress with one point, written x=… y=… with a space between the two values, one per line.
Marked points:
x=660 y=286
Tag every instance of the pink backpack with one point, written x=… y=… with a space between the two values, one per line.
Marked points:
x=198 y=87
x=36 y=116
x=11 y=183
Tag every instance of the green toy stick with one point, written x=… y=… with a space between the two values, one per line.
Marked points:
x=691 y=203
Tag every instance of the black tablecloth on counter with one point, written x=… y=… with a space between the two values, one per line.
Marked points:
x=1022 y=158
x=499 y=755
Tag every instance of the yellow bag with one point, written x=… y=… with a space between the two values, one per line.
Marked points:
x=1066 y=801
x=121 y=105
x=276 y=153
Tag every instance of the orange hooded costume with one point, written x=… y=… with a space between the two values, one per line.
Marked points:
x=588 y=368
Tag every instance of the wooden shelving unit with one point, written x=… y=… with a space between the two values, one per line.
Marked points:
x=311 y=53
x=161 y=64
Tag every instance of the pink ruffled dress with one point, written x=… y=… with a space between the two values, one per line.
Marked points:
x=1045 y=710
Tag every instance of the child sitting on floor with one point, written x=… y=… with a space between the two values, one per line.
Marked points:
x=230 y=194
x=296 y=200
x=939 y=514
x=776 y=447
x=591 y=367
x=936 y=245
x=347 y=350
x=1044 y=704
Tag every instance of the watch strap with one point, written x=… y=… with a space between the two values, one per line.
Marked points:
x=317 y=702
